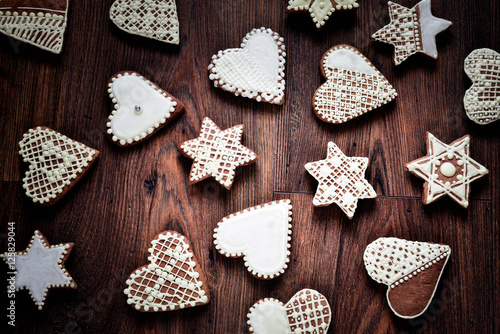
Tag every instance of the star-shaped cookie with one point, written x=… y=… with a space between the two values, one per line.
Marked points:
x=411 y=30
x=320 y=10
x=217 y=153
x=341 y=180
x=40 y=267
x=447 y=170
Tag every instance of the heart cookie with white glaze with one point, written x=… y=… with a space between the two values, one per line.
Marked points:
x=482 y=100
x=56 y=163
x=261 y=235
x=353 y=86
x=155 y=19
x=256 y=70
x=410 y=269
x=140 y=108
x=173 y=280
x=41 y=23
x=307 y=311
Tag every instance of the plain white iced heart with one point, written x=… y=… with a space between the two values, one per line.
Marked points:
x=261 y=234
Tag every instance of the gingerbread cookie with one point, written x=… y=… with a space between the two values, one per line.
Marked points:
x=482 y=100
x=256 y=71
x=140 y=108
x=447 y=170
x=38 y=22
x=341 y=180
x=217 y=153
x=320 y=10
x=56 y=164
x=353 y=86
x=40 y=267
x=412 y=30
x=173 y=280
x=410 y=269
x=307 y=311
x=155 y=19
x=261 y=235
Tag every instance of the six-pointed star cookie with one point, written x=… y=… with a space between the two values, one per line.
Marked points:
x=320 y=10
x=40 y=267
x=217 y=153
x=447 y=170
x=341 y=180
x=411 y=30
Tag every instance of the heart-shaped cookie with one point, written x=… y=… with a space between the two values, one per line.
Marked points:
x=56 y=164
x=482 y=100
x=410 y=269
x=171 y=281
x=353 y=86
x=155 y=19
x=261 y=234
x=140 y=108
x=307 y=311
x=40 y=23
x=256 y=71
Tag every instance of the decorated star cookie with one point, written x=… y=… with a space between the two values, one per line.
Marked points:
x=40 y=267
x=217 y=153
x=447 y=170
x=261 y=235
x=155 y=19
x=341 y=180
x=482 y=100
x=38 y=22
x=140 y=108
x=320 y=10
x=307 y=311
x=256 y=71
x=353 y=86
x=173 y=280
x=411 y=30
x=56 y=164
x=410 y=269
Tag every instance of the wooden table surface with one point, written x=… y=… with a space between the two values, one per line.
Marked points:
x=132 y=194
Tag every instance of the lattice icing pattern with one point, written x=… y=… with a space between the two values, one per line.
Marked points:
x=320 y=10
x=307 y=311
x=353 y=86
x=39 y=23
x=171 y=281
x=155 y=19
x=140 y=108
x=217 y=153
x=447 y=170
x=40 y=267
x=411 y=30
x=341 y=180
x=256 y=70
x=55 y=163
x=482 y=100
x=261 y=235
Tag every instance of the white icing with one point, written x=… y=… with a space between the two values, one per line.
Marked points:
x=261 y=234
x=345 y=184
x=426 y=169
x=42 y=29
x=170 y=281
x=321 y=10
x=447 y=169
x=55 y=161
x=269 y=317
x=349 y=59
x=140 y=107
x=156 y=19
x=217 y=153
x=264 y=51
x=430 y=26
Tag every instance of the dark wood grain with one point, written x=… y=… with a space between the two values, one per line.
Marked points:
x=132 y=194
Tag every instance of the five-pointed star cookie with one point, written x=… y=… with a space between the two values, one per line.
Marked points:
x=217 y=153
x=341 y=180
x=411 y=30
x=447 y=170
x=320 y=10
x=40 y=267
